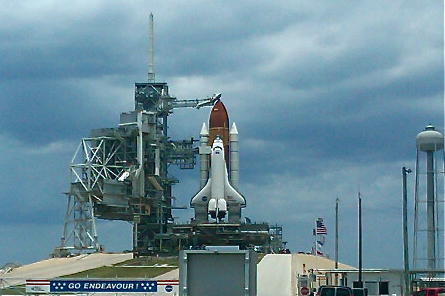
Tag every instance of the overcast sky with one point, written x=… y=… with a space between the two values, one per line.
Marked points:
x=328 y=97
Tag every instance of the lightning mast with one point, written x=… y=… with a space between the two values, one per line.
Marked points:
x=151 y=72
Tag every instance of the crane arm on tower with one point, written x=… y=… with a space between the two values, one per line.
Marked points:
x=198 y=103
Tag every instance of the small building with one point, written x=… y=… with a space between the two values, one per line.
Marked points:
x=315 y=271
x=376 y=281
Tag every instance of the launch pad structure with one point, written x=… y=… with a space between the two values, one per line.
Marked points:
x=122 y=174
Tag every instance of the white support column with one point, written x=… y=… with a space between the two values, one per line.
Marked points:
x=234 y=157
x=204 y=151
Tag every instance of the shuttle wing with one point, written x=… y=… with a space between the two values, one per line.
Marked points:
x=203 y=195
x=231 y=195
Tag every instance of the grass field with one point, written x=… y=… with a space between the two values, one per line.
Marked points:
x=146 y=267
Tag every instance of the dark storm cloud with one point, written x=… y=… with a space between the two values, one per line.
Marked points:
x=43 y=111
x=360 y=102
x=32 y=190
x=47 y=54
x=42 y=40
x=220 y=38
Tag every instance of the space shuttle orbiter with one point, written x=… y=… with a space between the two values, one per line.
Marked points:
x=218 y=196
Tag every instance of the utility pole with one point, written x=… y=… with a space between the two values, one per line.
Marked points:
x=336 y=239
x=405 y=232
x=360 y=282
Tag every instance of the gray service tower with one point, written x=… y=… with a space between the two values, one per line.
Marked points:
x=121 y=173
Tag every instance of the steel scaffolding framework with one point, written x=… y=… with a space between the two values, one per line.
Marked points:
x=94 y=161
x=122 y=173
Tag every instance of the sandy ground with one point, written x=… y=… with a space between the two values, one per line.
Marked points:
x=56 y=267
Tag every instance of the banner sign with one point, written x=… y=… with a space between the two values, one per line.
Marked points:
x=92 y=286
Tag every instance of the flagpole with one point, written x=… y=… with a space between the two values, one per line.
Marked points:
x=316 y=252
x=360 y=282
x=320 y=232
x=315 y=236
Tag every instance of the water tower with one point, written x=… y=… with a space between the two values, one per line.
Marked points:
x=428 y=233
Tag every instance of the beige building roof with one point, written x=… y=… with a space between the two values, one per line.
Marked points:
x=302 y=263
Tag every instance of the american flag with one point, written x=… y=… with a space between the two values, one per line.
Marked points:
x=321 y=229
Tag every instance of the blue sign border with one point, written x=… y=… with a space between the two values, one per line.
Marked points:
x=91 y=286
